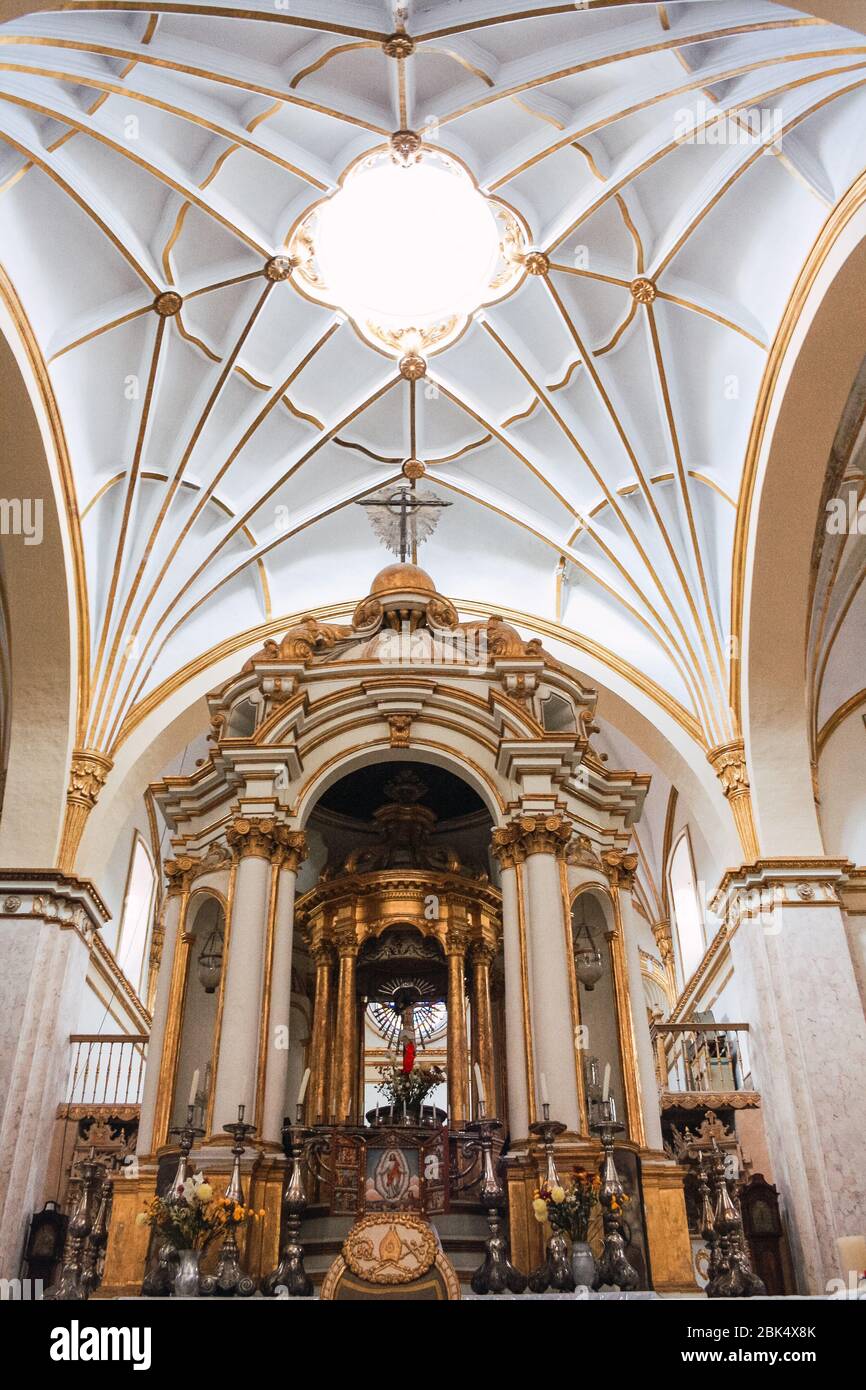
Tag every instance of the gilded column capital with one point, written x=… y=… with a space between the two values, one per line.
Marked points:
x=456 y=941
x=291 y=847
x=664 y=940
x=482 y=953
x=88 y=772
x=180 y=872
x=534 y=832
x=728 y=761
x=321 y=952
x=253 y=837
x=346 y=941
x=620 y=867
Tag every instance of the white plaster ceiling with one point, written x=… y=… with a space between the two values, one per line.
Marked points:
x=592 y=447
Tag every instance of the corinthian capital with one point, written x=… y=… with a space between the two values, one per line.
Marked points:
x=256 y=837
x=535 y=832
x=620 y=867
x=728 y=761
x=291 y=847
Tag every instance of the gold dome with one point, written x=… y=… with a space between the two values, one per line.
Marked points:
x=400 y=578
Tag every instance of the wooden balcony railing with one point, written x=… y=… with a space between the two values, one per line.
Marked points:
x=703 y=1060
x=106 y=1069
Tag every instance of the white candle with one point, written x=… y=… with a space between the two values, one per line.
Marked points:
x=304 y=1084
x=605 y=1090
x=545 y=1098
x=480 y=1084
x=193 y=1090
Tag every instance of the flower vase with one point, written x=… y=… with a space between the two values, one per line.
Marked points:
x=583 y=1265
x=186 y=1280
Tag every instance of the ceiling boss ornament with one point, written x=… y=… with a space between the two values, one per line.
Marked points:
x=409 y=248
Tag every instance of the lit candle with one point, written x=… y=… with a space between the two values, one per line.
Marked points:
x=304 y=1084
x=480 y=1084
x=605 y=1090
x=193 y=1090
x=545 y=1098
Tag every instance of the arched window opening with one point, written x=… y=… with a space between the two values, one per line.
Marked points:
x=687 y=914
x=137 y=918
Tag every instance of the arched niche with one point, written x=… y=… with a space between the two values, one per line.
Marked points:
x=206 y=914
x=816 y=360
x=591 y=905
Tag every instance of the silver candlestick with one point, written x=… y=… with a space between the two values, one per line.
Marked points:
x=230 y=1278
x=496 y=1273
x=162 y=1258
x=289 y=1273
x=613 y=1266
x=555 y=1271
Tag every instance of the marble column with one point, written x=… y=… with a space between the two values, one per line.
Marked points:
x=47 y=924
x=239 y=1016
x=644 y=1098
x=482 y=955
x=347 y=1045
x=458 y=1094
x=277 y=1104
x=156 y=1097
x=518 y=1034
x=807 y=1043
x=542 y=838
x=319 y=1092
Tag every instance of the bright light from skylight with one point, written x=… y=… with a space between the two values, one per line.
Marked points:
x=407 y=246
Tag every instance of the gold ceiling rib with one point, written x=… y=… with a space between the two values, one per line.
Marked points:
x=97 y=332
x=166 y=503
x=260 y=502
x=556 y=545
x=720 y=676
x=126 y=153
x=200 y=343
x=118 y=242
x=609 y=346
x=644 y=486
x=675 y=144
x=623 y=113
x=838 y=717
x=463 y=490
x=458 y=453
x=326 y=58
x=473 y=68
x=838 y=624
x=624 y=55
x=558 y=385
x=362 y=449
x=160 y=7
x=302 y=414
x=108 y=89
x=223 y=79
x=521 y=414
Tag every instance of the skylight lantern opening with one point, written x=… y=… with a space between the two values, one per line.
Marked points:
x=408 y=246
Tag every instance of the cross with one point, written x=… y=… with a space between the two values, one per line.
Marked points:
x=403 y=503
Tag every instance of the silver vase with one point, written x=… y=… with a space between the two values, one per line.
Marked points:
x=186 y=1281
x=583 y=1265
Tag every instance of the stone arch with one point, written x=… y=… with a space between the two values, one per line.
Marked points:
x=45 y=664
x=816 y=359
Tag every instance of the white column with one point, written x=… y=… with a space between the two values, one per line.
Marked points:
x=47 y=923
x=807 y=1044
x=552 y=1025
x=240 y=1023
x=649 y=1093
x=277 y=1104
x=516 y=1007
x=174 y=900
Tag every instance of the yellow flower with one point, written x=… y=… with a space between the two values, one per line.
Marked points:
x=558 y=1195
x=239 y=1214
x=204 y=1191
x=539 y=1206
x=142 y=1219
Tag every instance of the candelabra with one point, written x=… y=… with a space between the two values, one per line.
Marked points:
x=290 y=1273
x=496 y=1273
x=734 y=1277
x=97 y=1238
x=230 y=1278
x=162 y=1259
x=613 y=1267
x=73 y=1284
x=707 y=1221
x=555 y=1271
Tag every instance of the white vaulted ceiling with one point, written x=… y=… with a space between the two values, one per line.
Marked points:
x=593 y=446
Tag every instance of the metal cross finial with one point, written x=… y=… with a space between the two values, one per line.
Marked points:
x=403 y=505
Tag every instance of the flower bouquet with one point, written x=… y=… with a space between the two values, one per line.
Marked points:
x=568 y=1207
x=190 y=1219
x=408 y=1088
